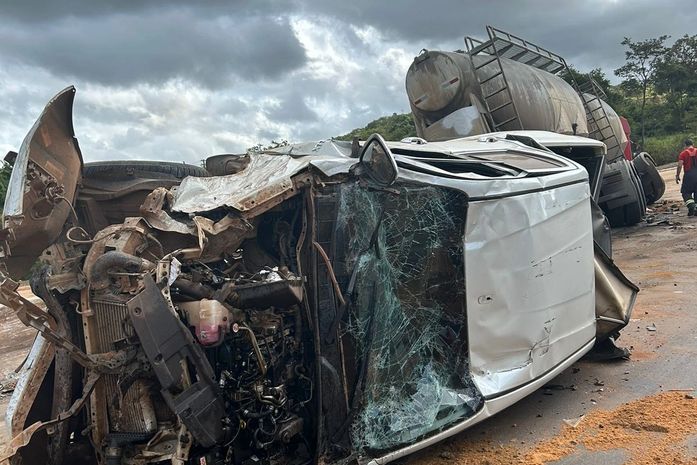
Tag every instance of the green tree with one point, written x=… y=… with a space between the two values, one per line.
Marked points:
x=5 y=171
x=676 y=80
x=639 y=70
x=613 y=96
x=395 y=127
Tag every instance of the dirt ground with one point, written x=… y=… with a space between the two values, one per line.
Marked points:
x=15 y=342
x=635 y=412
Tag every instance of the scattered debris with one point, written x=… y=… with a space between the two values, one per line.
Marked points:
x=8 y=383
x=651 y=328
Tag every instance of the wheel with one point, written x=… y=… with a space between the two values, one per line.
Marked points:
x=615 y=217
x=124 y=170
x=114 y=190
x=652 y=184
x=633 y=214
x=638 y=191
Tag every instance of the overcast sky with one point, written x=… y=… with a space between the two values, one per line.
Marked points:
x=181 y=80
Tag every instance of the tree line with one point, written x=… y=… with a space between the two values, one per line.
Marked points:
x=658 y=88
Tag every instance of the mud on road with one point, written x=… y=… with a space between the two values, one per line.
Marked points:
x=640 y=411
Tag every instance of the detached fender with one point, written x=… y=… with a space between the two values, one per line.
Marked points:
x=615 y=296
x=42 y=187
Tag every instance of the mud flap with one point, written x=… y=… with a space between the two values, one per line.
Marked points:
x=615 y=295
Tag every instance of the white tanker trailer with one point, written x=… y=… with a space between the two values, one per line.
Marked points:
x=508 y=84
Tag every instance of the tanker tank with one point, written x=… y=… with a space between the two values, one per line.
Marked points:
x=456 y=94
x=446 y=97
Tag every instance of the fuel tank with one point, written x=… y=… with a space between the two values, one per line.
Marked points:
x=447 y=99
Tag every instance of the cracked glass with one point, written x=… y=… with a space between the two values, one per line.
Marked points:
x=408 y=318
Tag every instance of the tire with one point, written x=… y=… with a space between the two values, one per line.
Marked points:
x=629 y=203
x=652 y=184
x=638 y=189
x=635 y=211
x=615 y=217
x=114 y=190
x=626 y=215
x=124 y=170
x=633 y=214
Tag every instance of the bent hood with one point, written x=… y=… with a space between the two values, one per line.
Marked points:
x=42 y=187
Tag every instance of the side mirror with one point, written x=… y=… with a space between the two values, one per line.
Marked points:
x=377 y=162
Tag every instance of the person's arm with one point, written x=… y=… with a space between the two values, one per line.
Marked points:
x=677 y=173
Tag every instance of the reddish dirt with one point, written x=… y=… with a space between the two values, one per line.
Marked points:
x=652 y=429
x=15 y=342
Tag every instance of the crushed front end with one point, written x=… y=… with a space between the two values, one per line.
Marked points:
x=309 y=308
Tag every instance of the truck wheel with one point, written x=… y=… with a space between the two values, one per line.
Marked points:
x=124 y=170
x=114 y=190
x=615 y=217
x=651 y=181
x=635 y=211
x=632 y=214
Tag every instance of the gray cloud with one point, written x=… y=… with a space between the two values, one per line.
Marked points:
x=587 y=33
x=122 y=49
x=33 y=11
x=293 y=109
x=181 y=80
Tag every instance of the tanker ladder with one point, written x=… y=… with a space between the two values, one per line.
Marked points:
x=501 y=44
x=591 y=94
x=496 y=83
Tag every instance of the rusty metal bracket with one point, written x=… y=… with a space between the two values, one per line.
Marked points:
x=23 y=438
x=34 y=317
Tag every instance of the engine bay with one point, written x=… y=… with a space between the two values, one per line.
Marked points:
x=235 y=327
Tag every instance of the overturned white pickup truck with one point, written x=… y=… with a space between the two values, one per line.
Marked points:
x=325 y=303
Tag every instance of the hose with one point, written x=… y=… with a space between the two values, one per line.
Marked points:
x=193 y=289
x=99 y=275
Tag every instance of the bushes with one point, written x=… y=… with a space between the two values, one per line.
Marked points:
x=395 y=127
x=665 y=149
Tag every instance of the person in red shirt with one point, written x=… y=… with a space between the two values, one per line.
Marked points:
x=688 y=161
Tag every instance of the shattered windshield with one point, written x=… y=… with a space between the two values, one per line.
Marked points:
x=405 y=250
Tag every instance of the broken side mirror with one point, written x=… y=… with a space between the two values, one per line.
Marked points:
x=377 y=162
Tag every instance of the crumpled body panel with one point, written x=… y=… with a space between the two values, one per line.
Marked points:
x=614 y=296
x=42 y=186
x=265 y=177
x=530 y=299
